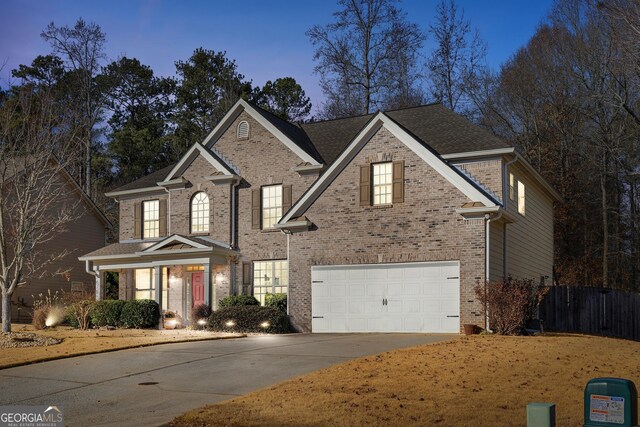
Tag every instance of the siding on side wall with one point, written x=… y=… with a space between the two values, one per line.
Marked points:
x=496 y=247
x=84 y=234
x=530 y=239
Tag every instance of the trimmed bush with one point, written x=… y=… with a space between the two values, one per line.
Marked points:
x=140 y=313
x=202 y=311
x=250 y=318
x=107 y=313
x=232 y=300
x=278 y=301
x=511 y=303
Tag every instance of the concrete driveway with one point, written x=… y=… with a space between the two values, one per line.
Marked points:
x=151 y=385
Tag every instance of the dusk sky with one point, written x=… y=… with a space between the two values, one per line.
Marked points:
x=266 y=38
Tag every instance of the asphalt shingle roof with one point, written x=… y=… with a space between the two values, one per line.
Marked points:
x=440 y=128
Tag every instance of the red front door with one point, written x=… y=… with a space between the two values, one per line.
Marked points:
x=197 y=281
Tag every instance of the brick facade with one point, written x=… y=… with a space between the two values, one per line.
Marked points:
x=425 y=227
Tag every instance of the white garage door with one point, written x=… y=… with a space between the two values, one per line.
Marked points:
x=412 y=297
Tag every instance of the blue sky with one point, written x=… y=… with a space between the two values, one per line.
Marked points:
x=266 y=38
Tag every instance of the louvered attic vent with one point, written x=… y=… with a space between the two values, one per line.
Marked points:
x=243 y=130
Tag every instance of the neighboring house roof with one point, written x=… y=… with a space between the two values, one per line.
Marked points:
x=147 y=181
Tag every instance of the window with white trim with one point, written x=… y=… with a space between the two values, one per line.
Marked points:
x=382 y=183
x=150 y=219
x=243 y=130
x=270 y=277
x=145 y=282
x=271 y=205
x=521 y=198
x=200 y=213
x=512 y=187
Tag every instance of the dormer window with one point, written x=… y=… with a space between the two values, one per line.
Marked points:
x=243 y=130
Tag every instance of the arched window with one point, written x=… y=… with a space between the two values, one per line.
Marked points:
x=200 y=213
x=243 y=130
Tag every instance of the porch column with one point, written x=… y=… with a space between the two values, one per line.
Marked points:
x=98 y=274
x=157 y=271
x=207 y=284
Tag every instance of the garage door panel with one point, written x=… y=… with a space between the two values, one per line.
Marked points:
x=413 y=297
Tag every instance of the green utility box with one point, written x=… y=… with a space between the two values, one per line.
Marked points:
x=610 y=402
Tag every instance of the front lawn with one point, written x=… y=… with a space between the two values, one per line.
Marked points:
x=478 y=380
x=76 y=342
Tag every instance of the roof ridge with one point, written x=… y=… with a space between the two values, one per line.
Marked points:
x=430 y=104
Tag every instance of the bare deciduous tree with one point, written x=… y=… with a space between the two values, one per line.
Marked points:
x=458 y=60
x=82 y=48
x=357 y=53
x=35 y=147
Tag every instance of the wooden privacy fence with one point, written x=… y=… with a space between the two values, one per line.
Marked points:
x=596 y=311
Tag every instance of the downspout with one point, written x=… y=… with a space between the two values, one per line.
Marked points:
x=288 y=233
x=487 y=233
x=232 y=240
x=94 y=273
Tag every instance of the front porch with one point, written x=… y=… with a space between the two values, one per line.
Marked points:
x=178 y=272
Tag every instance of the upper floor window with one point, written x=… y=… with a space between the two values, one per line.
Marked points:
x=150 y=219
x=243 y=130
x=521 y=198
x=271 y=205
x=382 y=183
x=512 y=187
x=200 y=213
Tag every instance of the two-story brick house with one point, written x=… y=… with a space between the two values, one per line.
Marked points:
x=383 y=222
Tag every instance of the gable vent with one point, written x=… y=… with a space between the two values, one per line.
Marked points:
x=243 y=130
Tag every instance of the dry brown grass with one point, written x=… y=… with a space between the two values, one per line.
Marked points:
x=76 y=342
x=474 y=381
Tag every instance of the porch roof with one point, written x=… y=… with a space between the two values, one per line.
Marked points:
x=174 y=244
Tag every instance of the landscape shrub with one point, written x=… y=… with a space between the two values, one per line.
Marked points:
x=199 y=312
x=140 y=313
x=511 y=303
x=107 y=313
x=78 y=314
x=278 y=301
x=249 y=318
x=232 y=300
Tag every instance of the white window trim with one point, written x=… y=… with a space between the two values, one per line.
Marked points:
x=264 y=223
x=375 y=186
x=145 y=234
x=521 y=196
x=272 y=285
x=203 y=208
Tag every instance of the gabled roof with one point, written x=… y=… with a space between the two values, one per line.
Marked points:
x=444 y=131
x=467 y=186
x=174 y=244
x=196 y=150
x=289 y=134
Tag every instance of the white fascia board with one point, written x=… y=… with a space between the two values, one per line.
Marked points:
x=107 y=257
x=175 y=251
x=243 y=105
x=483 y=153
x=334 y=170
x=358 y=142
x=195 y=150
x=173 y=239
x=150 y=264
x=437 y=164
x=135 y=191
